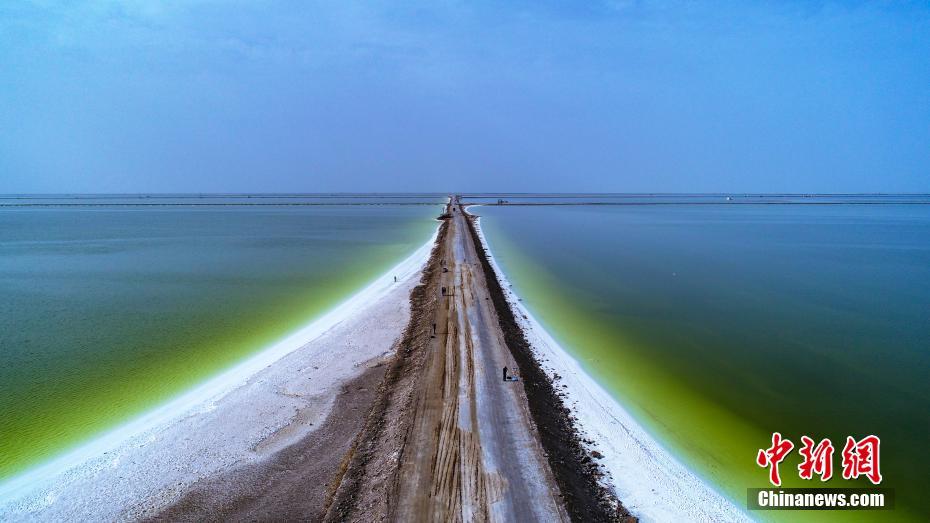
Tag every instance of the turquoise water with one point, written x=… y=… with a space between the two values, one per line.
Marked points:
x=160 y=200
x=679 y=199
x=107 y=312
x=717 y=325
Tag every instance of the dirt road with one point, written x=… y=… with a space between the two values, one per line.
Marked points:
x=448 y=439
x=472 y=452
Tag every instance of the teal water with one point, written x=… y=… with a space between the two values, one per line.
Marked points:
x=680 y=199
x=161 y=200
x=107 y=312
x=717 y=325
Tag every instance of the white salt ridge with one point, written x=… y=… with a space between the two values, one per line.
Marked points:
x=217 y=425
x=650 y=482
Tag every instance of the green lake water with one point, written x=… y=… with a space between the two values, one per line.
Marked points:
x=716 y=325
x=109 y=311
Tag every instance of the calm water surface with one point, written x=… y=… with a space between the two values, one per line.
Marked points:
x=109 y=311
x=719 y=324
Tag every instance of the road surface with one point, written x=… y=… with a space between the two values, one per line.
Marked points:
x=472 y=453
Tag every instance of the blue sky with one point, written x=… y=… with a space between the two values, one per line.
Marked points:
x=625 y=96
